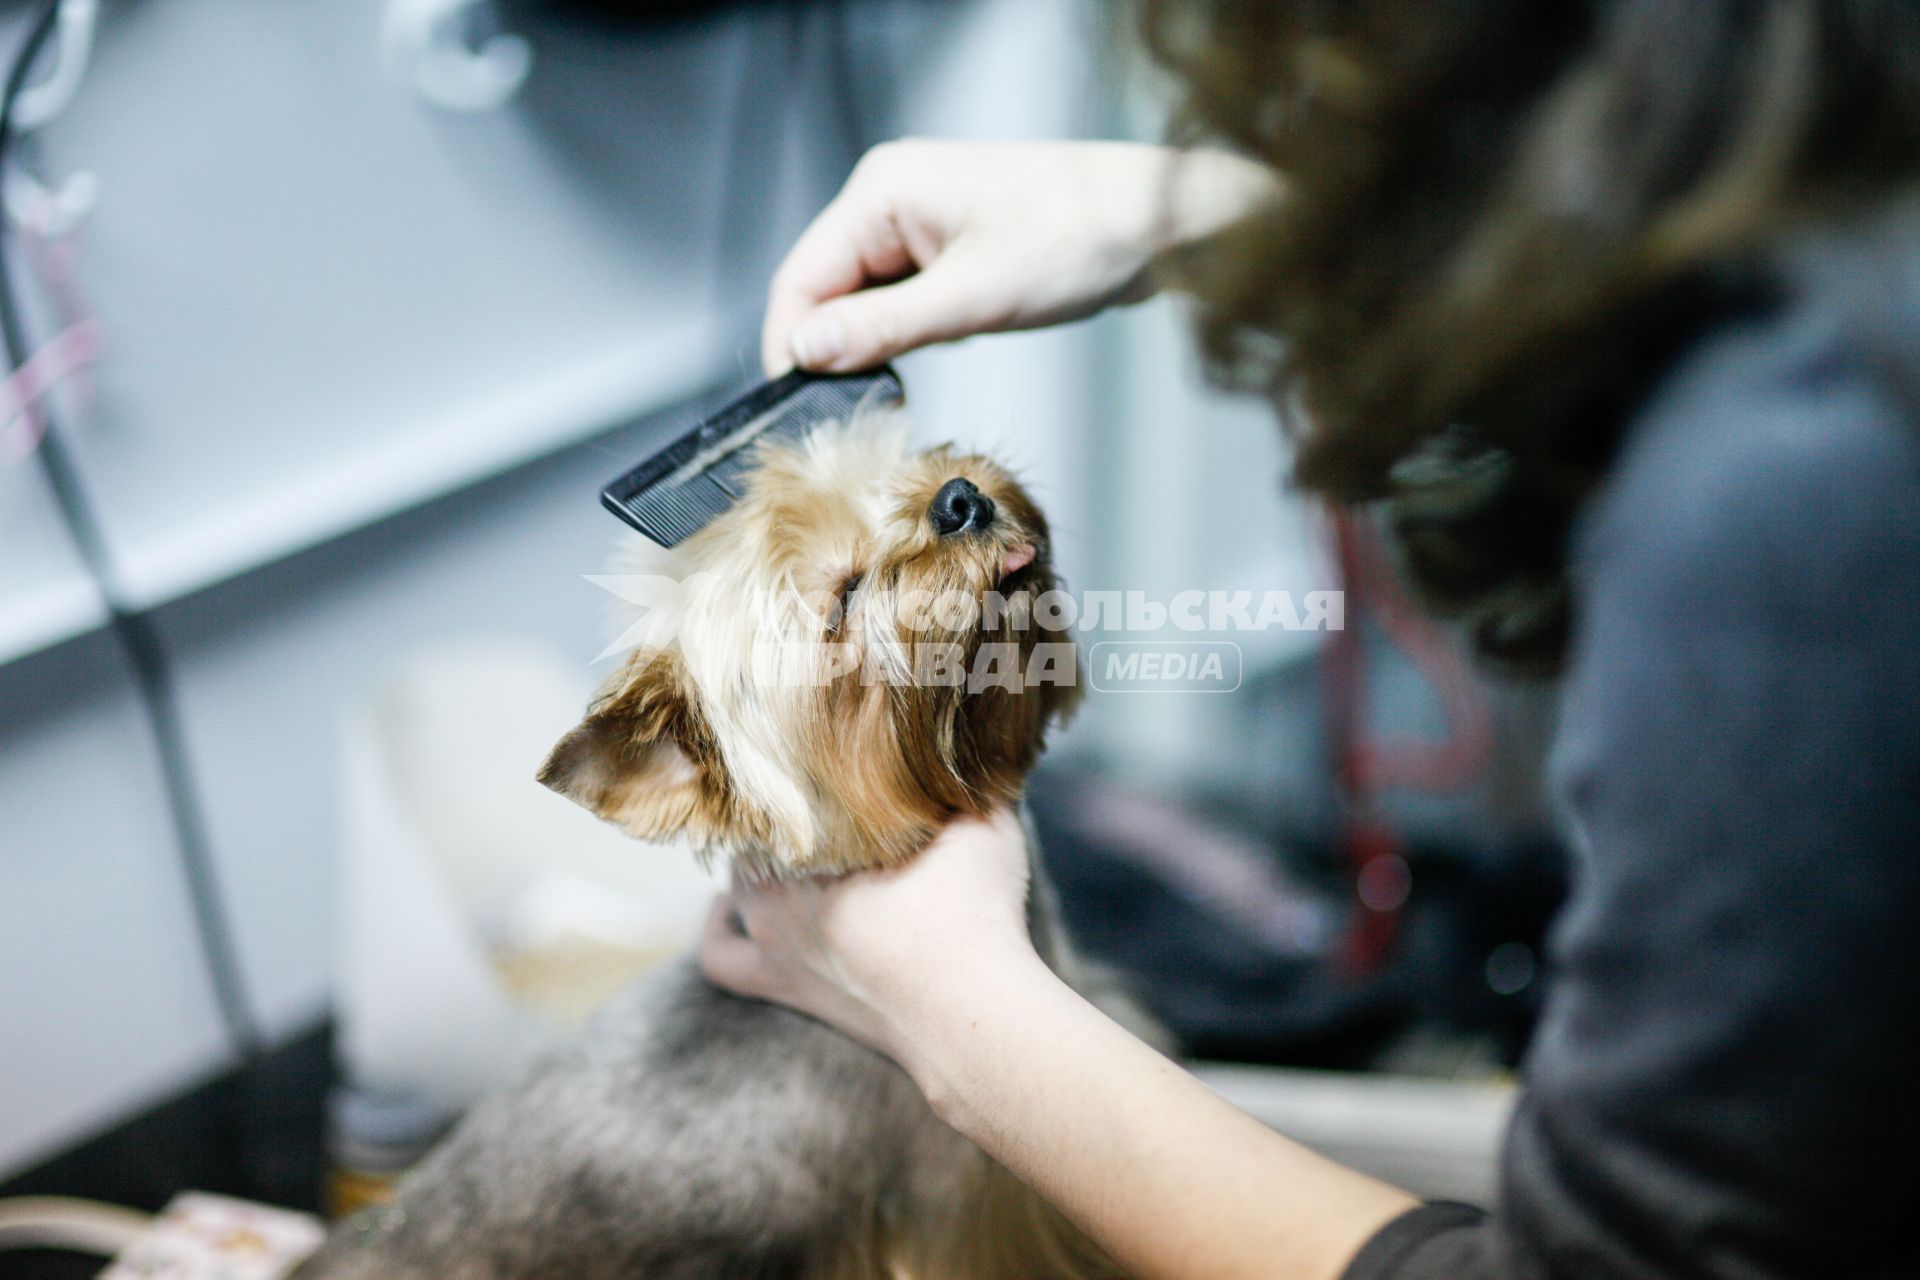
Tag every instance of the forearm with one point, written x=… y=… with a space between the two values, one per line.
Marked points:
x=1174 y=1182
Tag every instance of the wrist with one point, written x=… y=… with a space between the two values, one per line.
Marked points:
x=1164 y=198
x=953 y=1043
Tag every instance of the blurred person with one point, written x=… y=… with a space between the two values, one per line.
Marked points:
x=1612 y=306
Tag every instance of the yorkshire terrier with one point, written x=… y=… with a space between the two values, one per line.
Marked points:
x=850 y=661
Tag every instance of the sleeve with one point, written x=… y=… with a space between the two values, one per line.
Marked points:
x=1721 y=1087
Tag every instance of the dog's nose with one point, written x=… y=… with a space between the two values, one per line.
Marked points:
x=960 y=507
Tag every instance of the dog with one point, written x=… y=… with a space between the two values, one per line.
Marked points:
x=848 y=661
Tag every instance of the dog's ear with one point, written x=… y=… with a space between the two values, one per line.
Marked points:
x=642 y=759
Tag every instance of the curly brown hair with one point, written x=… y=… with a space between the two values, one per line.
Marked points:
x=1503 y=218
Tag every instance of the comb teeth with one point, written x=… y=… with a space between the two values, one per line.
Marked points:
x=679 y=490
x=670 y=516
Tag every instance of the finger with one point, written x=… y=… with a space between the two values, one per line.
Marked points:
x=733 y=964
x=854 y=242
x=1006 y=817
x=860 y=330
x=754 y=902
x=745 y=891
x=728 y=957
x=723 y=916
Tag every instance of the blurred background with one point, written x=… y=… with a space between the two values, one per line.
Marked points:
x=330 y=319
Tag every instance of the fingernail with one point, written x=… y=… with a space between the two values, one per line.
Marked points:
x=820 y=341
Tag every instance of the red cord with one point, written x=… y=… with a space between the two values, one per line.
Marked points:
x=69 y=355
x=1365 y=769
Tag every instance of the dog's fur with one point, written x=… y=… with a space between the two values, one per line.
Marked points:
x=690 y=1134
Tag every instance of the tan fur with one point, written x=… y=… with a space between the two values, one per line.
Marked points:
x=818 y=775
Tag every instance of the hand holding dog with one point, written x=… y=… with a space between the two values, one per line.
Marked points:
x=886 y=957
x=934 y=241
x=931 y=965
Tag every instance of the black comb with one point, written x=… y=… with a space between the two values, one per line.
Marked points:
x=672 y=495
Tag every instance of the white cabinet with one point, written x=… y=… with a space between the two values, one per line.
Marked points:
x=104 y=1001
x=324 y=301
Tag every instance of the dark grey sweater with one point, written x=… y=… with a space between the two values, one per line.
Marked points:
x=1726 y=1080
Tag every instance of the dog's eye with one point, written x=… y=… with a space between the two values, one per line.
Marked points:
x=847 y=588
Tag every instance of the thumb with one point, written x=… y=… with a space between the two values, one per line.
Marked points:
x=728 y=957
x=861 y=330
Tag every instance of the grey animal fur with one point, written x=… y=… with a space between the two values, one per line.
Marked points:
x=685 y=1134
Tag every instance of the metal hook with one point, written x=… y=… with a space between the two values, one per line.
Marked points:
x=53 y=209
x=437 y=49
x=39 y=103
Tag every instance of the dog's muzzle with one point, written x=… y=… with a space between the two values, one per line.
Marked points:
x=960 y=507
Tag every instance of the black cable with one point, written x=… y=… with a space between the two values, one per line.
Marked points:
x=133 y=629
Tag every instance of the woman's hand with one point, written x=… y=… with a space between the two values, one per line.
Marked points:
x=933 y=241
x=888 y=957
x=931 y=965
